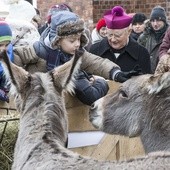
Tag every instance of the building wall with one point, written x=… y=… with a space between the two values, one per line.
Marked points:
x=92 y=10
x=81 y=7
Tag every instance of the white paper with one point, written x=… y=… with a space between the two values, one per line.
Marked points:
x=81 y=139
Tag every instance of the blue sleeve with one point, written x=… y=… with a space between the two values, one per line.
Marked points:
x=1 y=71
x=10 y=52
x=88 y=93
x=10 y=55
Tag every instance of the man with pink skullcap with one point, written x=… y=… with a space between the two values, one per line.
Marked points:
x=118 y=46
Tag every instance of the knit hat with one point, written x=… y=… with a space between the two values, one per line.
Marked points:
x=158 y=13
x=138 y=18
x=5 y=32
x=117 y=18
x=101 y=23
x=56 y=8
x=63 y=24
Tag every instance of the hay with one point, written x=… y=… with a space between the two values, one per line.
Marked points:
x=7 y=144
x=8 y=135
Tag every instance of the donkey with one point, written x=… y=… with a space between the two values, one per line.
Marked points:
x=43 y=123
x=140 y=107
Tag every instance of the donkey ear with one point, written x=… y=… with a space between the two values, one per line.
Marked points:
x=64 y=75
x=156 y=83
x=15 y=75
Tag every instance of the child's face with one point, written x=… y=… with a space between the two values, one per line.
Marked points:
x=3 y=45
x=70 y=44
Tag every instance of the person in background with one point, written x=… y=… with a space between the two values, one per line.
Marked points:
x=52 y=11
x=20 y=10
x=5 y=44
x=119 y=47
x=138 y=25
x=20 y=20
x=36 y=20
x=153 y=34
x=99 y=32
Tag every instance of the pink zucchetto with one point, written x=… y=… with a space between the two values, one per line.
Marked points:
x=117 y=18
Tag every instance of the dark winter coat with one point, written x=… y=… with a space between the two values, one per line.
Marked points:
x=135 y=35
x=130 y=56
x=87 y=91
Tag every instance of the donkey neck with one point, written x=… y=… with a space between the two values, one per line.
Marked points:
x=48 y=118
x=154 y=140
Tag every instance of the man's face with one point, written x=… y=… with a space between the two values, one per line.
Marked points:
x=157 y=24
x=118 y=38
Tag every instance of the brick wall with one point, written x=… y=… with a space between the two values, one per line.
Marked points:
x=131 y=6
x=92 y=10
x=81 y=7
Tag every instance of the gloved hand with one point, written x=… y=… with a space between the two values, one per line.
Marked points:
x=123 y=76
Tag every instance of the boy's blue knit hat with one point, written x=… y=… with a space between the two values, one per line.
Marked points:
x=5 y=32
x=65 y=23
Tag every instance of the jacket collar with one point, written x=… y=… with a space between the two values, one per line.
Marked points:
x=129 y=47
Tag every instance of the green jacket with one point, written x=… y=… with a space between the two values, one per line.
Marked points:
x=152 y=40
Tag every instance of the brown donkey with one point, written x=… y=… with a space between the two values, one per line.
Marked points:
x=43 y=123
x=141 y=106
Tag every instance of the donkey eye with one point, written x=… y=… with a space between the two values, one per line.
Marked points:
x=123 y=94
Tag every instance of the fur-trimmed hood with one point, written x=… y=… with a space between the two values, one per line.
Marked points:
x=66 y=23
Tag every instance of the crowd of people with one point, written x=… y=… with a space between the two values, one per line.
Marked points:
x=118 y=48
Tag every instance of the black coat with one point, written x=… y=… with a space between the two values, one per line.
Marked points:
x=131 y=55
x=88 y=92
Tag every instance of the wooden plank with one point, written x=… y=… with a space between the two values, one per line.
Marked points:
x=114 y=154
x=113 y=86
x=85 y=151
x=105 y=147
x=130 y=148
x=71 y=101
x=79 y=119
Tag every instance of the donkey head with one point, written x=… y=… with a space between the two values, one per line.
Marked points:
x=139 y=107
